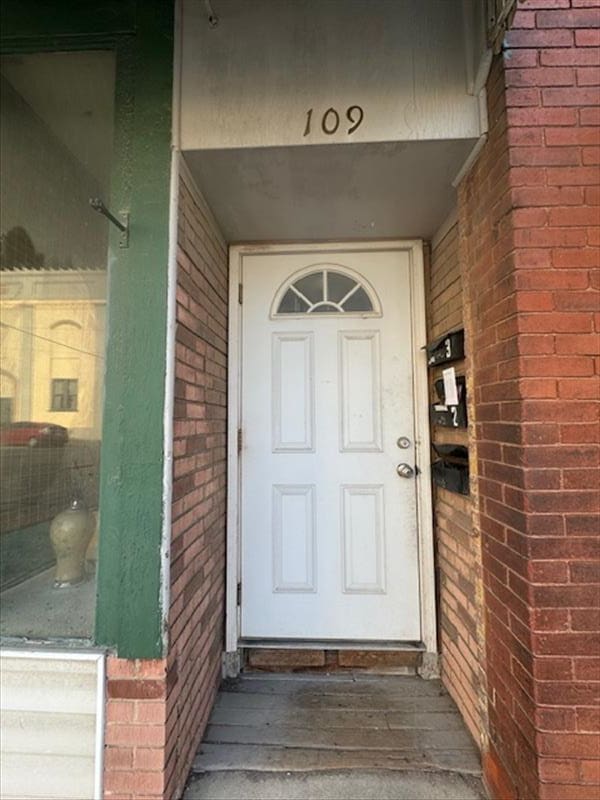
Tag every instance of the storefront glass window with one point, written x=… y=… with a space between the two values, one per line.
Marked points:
x=56 y=134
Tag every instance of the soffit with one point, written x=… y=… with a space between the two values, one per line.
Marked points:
x=378 y=190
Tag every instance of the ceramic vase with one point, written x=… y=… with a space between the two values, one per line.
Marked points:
x=70 y=534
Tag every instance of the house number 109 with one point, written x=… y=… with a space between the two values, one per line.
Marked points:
x=330 y=121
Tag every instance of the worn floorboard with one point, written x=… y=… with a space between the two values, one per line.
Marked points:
x=340 y=739
x=330 y=719
x=381 y=685
x=278 y=758
x=324 y=700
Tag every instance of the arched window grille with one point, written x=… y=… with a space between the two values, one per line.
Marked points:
x=326 y=291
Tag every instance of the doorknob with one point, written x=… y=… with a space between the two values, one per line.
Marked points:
x=405 y=470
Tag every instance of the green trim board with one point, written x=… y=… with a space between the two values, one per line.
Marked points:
x=128 y=611
x=27 y=24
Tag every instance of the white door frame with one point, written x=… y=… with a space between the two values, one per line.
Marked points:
x=414 y=249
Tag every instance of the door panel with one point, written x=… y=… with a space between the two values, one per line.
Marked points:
x=294 y=533
x=360 y=391
x=293 y=392
x=328 y=528
x=363 y=539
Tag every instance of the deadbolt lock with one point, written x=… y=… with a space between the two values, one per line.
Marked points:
x=403 y=442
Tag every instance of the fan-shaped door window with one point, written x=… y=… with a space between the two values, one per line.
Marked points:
x=325 y=291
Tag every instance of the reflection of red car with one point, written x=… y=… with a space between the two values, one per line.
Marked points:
x=32 y=434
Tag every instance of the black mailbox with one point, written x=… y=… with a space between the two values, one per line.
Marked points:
x=447 y=416
x=449 y=347
x=451 y=471
x=451 y=476
x=456 y=452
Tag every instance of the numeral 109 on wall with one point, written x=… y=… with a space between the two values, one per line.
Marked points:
x=331 y=120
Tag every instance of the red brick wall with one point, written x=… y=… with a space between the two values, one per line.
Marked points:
x=196 y=620
x=157 y=710
x=458 y=547
x=529 y=234
x=135 y=733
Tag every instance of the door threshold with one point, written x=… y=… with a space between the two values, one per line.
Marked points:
x=331 y=644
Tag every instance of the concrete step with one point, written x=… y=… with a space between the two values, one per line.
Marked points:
x=334 y=786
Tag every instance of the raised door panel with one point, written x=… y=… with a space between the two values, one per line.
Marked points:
x=360 y=391
x=293 y=392
x=363 y=537
x=294 y=534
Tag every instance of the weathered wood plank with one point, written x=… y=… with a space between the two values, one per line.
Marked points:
x=332 y=701
x=213 y=757
x=399 y=686
x=338 y=718
x=303 y=718
x=425 y=720
x=342 y=739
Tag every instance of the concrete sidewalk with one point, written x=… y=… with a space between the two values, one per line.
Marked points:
x=323 y=737
x=342 y=785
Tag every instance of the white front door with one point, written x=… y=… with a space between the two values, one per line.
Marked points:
x=329 y=547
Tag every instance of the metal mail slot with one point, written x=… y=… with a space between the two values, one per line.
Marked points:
x=461 y=389
x=452 y=452
x=453 y=477
x=449 y=347
x=450 y=416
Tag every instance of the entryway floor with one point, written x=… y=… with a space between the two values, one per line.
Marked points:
x=323 y=737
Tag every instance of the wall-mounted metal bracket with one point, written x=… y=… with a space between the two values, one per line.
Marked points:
x=213 y=20
x=122 y=224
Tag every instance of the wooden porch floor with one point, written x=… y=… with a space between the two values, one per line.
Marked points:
x=341 y=724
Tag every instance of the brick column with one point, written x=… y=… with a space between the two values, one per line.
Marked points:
x=529 y=221
x=135 y=734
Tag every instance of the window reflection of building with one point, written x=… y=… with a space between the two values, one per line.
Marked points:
x=56 y=131
x=53 y=328
x=8 y=391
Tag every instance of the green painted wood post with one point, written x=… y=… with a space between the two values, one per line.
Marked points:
x=128 y=612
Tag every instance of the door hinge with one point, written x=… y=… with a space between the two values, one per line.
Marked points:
x=240 y=293
x=239 y=594
x=239 y=440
